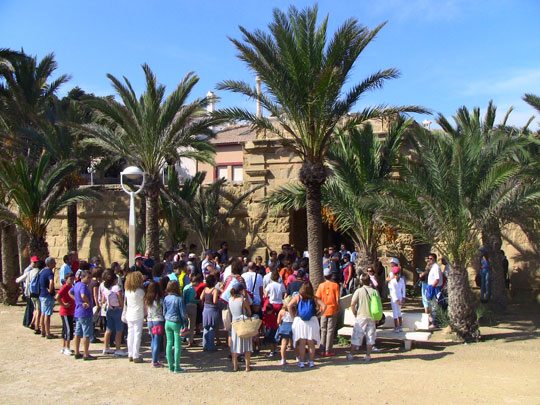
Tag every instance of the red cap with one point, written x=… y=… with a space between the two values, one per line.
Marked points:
x=395 y=270
x=34 y=259
x=139 y=256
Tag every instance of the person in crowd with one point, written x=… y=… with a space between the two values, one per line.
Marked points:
x=273 y=262
x=167 y=261
x=191 y=302
x=484 y=278
x=347 y=269
x=211 y=313
x=208 y=261
x=223 y=252
x=74 y=261
x=286 y=271
x=328 y=293
x=174 y=314
x=65 y=269
x=505 y=264
x=134 y=314
x=335 y=258
x=46 y=296
x=297 y=283
x=148 y=260
x=140 y=267
x=270 y=326
x=434 y=284
x=275 y=291
x=158 y=271
x=66 y=311
x=31 y=313
x=364 y=324
x=396 y=286
x=254 y=284
x=394 y=262
x=95 y=262
x=153 y=303
x=112 y=301
x=260 y=267
x=83 y=313
x=117 y=270
x=373 y=283
x=240 y=307
x=285 y=334
x=305 y=326
x=193 y=264
x=343 y=251
x=98 y=319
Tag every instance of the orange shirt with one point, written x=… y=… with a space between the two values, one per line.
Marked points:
x=285 y=273
x=328 y=292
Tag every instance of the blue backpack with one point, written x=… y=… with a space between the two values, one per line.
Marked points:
x=34 y=285
x=305 y=309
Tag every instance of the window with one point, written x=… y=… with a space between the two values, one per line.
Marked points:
x=222 y=172
x=237 y=173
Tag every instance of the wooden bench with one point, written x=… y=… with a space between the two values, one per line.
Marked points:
x=412 y=321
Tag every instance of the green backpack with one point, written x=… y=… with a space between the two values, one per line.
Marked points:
x=375 y=305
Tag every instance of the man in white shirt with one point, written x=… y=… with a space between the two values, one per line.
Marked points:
x=435 y=280
x=254 y=284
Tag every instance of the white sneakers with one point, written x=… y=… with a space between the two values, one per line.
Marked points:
x=283 y=362
x=66 y=351
x=120 y=353
x=350 y=357
x=367 y=358
x=108 y=351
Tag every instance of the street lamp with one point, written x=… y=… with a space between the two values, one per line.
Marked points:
x=132 y=173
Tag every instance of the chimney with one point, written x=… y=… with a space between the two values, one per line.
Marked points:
x=211 y=107
x=258 y=87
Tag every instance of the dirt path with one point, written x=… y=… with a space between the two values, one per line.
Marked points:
x=505 y=368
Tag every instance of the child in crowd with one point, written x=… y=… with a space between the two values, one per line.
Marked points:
x=396 y=286
x=271 y=327
x=174 y=313
x=285 y=321
x=66 y=311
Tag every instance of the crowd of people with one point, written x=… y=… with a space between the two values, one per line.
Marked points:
x=183 y=297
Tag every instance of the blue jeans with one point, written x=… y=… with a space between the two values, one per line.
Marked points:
x=84 y=327
x=484 y=285
x=208 y=339
x=157 y=341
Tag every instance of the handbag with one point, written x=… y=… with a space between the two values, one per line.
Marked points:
x=184 y=332
x=158 y=329
x=247 y=327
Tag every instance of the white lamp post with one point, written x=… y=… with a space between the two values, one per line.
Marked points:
x=132 y=173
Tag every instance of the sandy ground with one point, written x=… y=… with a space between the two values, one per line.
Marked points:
x=504 y=368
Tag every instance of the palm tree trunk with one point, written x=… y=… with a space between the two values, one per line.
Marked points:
x=364 y=258
x=38 y=246
x=140 y=220
x=492 y=241
x=152 y=217
x=313 y=175
x=461 y=309
x=72 y=227
x=10 y=265
x=22 y=245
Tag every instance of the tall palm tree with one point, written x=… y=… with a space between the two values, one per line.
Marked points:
x=359 y=161
x=151 y=130
x=495 y=144
x=208 y=208
x=533 y=100
x=304 y=75
x=38 y=195
x=61 y=141
x=455 y=184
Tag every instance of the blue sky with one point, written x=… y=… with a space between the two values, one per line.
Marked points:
x=450 y=52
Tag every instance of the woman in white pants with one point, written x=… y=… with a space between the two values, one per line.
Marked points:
x=134 y=303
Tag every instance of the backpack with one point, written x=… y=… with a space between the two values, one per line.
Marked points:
x=34 y=285
x=305 y=309
x=375 y=306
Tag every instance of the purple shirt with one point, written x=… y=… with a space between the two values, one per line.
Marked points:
x=78 y=289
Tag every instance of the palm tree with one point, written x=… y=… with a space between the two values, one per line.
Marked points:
x=61 y=141
x=495 y=143
x=152 y=130
x=172 y=214
x=39 y=196
x=533 y=100
x=205 y=212
x=304 y=75
x=359 y=162
x=457 y=182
